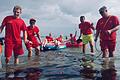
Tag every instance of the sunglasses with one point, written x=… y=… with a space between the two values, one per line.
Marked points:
x=32 y=21
x=101 y=12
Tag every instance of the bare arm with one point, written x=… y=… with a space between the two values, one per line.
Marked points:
x=25 y=36
x=97 y=34
x=38 y=37
x=113 y=29
x=92 y=26
x=1 y=28
x=80 y=34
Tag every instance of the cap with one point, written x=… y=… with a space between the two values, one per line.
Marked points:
x=32 y=19
x=102 y=9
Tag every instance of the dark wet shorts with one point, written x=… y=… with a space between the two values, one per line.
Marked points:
x=16 y=48
x=108 y=44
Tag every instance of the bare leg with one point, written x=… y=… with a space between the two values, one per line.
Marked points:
x=84 y=48
x=7 y=60
x=37 y=51
x=91 y=46
x=30 y=52
x=111 y=53
x=105 y=53
x=16 y=61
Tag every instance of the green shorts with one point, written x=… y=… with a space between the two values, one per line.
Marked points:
x=87 y=38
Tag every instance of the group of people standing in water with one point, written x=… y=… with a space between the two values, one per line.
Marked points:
x=106 y=27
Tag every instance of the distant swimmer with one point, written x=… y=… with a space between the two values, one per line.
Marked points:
x=72 y=38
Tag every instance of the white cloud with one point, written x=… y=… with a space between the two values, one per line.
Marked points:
x=78 y=7
x=59 y=16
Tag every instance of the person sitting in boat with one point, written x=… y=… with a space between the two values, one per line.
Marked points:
x=73 y=38
x=33 y=30
x=48 y=40
x=59 y=40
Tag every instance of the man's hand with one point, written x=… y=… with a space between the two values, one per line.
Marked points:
x=27 y=41
x=109 y=31
x=91 y=24
x=95 y=39
x=30 y=42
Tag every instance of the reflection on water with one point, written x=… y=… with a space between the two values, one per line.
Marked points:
x=58 y=65
x=108 y=72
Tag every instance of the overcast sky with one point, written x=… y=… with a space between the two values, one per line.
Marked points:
x=59 y=16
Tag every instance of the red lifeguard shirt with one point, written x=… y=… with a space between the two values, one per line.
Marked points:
x=13 y=27
x=59 y=39
x=85 y=28
x=102 y=26
x=73 y=39
x=49 y=38
x=31 y=33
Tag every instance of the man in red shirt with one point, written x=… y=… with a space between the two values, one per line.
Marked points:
x=50 y=38
x=107 y=27
x=33 y=30
x=87 y=34
x=60 y=39
x=13 y=25
x=73 y=38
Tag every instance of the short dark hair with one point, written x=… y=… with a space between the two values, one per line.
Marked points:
x=82 y=17
x=103 y=8
x=16 y=8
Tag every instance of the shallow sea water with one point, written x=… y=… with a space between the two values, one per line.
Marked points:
x=61 y=64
